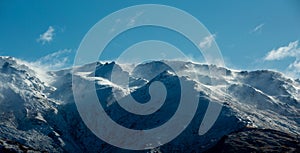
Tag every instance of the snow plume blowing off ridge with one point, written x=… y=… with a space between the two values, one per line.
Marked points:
x=51 y=62
x=38 y=110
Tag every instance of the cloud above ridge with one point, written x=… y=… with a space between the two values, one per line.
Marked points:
x=47 y=36
x=290 y=50
x=207 y=41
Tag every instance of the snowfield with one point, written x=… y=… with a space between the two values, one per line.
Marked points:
x=38 y=112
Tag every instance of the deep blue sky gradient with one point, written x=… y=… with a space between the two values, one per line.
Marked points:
x=22 y=21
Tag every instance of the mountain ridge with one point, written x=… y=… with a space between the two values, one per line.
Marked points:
x=38 y=110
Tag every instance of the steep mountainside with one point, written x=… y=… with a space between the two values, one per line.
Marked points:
x=41 y=115
x=257 y=140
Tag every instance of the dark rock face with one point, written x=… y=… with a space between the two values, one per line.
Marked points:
x=9 y=146
x=257 y=140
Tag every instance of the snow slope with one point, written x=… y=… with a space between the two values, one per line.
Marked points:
x=42 y=114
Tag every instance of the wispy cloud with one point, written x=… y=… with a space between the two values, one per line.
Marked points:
x=295 y=65
x=258 y=28
x=207 y=41
x=54 y=61
x=291 y=50
x=294 y=69
x=47 y=36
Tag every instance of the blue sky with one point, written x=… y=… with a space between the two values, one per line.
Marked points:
x=251 y=34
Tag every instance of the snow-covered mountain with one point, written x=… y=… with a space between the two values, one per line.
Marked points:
x=38 y=111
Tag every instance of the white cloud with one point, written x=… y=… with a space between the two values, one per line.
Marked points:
x=54 y=61
x=294 y=69
x=295 y=64
x=258 y=28
x=47 y=36
x=207 y=41
x=292 y=50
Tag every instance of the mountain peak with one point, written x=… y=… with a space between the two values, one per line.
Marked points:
x=46 y=116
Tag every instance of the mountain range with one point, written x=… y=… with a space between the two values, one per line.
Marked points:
x=260 y=110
